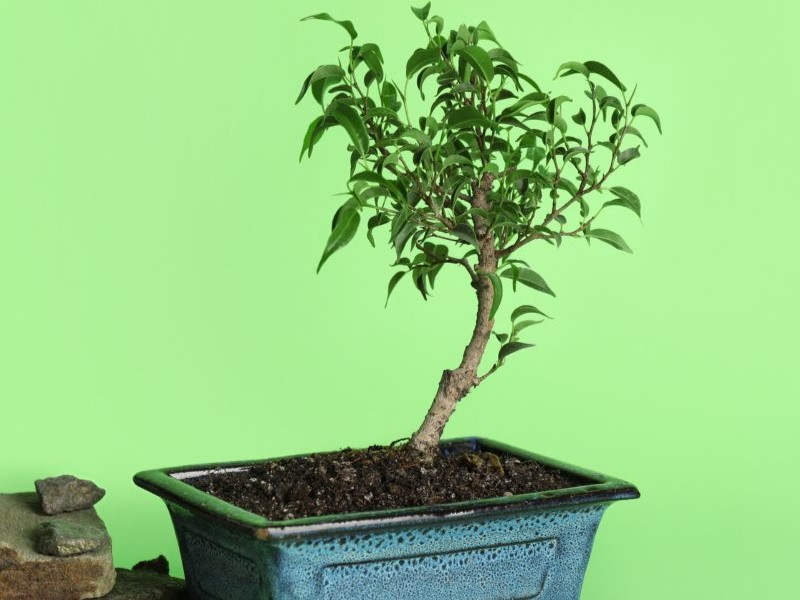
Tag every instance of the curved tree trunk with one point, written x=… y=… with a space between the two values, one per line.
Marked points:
x=457 y=383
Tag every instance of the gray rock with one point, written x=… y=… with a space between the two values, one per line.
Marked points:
x=146 y=585
x=67 y=493
x=67 y=538
x=27 y=575
x=159 y=565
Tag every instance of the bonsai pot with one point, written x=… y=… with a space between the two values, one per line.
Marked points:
x=518 y=547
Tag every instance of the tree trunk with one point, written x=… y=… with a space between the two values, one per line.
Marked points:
x=456 y=384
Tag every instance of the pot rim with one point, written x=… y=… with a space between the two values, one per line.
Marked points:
x=599 y=489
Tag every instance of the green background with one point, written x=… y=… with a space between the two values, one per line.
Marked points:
x=159 y=306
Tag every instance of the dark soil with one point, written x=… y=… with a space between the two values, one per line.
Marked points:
x=376 y=478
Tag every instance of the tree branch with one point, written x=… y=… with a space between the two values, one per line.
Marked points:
x=449 y=259
x=494 y=368
x=582 y=190
x=456 y=384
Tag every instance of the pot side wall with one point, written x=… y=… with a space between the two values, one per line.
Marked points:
x=533 y=554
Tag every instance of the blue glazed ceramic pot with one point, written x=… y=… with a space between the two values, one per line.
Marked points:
x=512 y=548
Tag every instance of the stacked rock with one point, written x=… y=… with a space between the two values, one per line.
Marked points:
x=53 y=546
x=67 y=494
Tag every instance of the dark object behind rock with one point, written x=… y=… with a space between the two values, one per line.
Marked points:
x=146 y=585
x=158 y=565
x=67 y=493
x=67 y=538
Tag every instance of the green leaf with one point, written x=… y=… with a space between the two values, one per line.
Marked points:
x=611 y=101
x=526 y=309
x=552 y=108
x=523 y=103
x=432 y=272
x=419 y=281
x=389 y=96
x=585 y=210
x=498 y=293
x=480 y=61
x=510 y=348
x=392 y=159
x=646 y=111
x=467 y=116
x=421 y=58
x=528 y=277
x=629 y=129
x=376 y=112
x=628 y=155
x=320 y=86
x=572 y=68
x=560 y=124
x=422 y=13
x=402 y=229
x=457 y=159
x=313 y=134
x=530 y=82
x=323 y=72
x=501 y=337
x=373 y=222
x=503 y=57
x=418 y=136
x=372 y=57
x=349 y=118
x=485 y=32
x=522 y=325
x=568 y=155
x=392 y=284
x=344 y=229
x=423 y=75
x=626 y=198
x=603 y=71
x=369 y=176
x=348 y=25
x=609 y=237
x=465 y=234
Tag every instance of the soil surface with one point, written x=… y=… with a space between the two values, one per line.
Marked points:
x=376 y=478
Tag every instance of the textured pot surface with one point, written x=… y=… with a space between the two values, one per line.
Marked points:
x=512 y=548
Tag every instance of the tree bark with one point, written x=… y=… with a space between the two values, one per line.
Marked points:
x=457 y=383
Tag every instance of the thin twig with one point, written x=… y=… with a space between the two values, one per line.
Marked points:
x=449 y=259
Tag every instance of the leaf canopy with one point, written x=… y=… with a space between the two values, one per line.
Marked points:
x=418 y=166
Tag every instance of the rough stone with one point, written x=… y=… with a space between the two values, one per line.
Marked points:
x=160 y=565
x=67 y=493
x=27 y=575
x=67 y=538
x=146 y=585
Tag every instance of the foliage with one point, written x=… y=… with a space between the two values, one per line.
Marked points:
x=538 y=154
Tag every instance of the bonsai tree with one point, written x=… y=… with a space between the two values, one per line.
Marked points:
x=492 y=163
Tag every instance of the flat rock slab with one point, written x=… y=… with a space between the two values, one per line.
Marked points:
x=59 y=537
x=146 y=585
x=66 y=493
x=27 y=575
